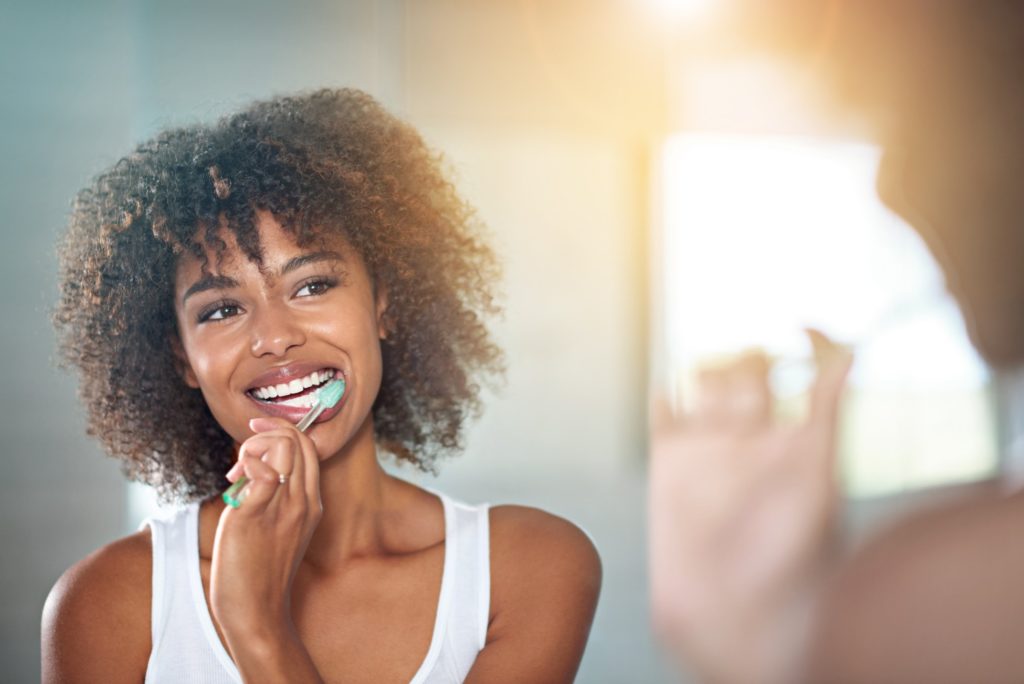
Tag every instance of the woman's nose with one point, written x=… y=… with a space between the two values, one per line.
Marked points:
x=274 y=332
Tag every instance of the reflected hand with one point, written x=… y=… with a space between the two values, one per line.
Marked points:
x=741 y=519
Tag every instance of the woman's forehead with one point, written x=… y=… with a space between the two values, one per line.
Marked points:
x=275 y=249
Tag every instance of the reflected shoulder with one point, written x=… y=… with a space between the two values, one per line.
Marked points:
x=910 y=606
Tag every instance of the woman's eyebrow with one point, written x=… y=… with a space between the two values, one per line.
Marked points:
x=209 y=282
x=312 y=257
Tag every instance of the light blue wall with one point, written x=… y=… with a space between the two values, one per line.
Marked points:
x=67 y=108
x=82 y=82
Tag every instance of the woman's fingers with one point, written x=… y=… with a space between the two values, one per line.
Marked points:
x=304 y=477
x=263 y=484
x=277 y=449
x=751 y=395
x=282 y=429
x=712 y=401
x=272 y=456
x=736 y=395
x=834 y=362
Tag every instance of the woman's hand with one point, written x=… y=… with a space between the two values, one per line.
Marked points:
x=741 y=519
x=259 y=545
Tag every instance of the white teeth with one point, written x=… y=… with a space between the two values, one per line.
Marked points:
x=294 y=387
x=305 y=401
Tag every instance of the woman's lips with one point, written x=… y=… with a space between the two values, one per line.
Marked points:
x=284 y=375
x=278 y=382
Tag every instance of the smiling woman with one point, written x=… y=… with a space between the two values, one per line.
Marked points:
x=327 y=166
x=211 y=282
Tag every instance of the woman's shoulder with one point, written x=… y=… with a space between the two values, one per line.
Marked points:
x=96 y=617
x=112 y=579
x=542 y=556
x=523 y=531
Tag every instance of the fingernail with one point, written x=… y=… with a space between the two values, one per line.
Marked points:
x=261 y=424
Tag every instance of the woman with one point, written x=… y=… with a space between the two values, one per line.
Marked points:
x=211 y=281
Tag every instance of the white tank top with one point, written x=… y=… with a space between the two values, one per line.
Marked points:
x=187 y=650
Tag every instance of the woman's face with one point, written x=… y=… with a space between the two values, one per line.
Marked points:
x=257 y=344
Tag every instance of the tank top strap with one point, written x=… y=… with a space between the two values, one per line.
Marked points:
x=466 y=609
x=473 y=561
x=158 y=610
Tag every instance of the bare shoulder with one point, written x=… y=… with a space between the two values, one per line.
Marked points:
x=95 y=624
x=541 y=561
x=534 y=544
x=930 y=585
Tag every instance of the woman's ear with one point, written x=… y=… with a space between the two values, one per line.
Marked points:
x=383 y=320
x=182 y=365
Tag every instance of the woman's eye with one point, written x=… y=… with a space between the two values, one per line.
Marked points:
x=315 y=287
x=219 y=312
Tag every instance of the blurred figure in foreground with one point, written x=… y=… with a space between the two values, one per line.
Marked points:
x=747 y=583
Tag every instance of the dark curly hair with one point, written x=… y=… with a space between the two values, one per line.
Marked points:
x=332 y=160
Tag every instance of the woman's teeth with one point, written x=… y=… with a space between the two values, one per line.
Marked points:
x=295 y=387
x=301 y=401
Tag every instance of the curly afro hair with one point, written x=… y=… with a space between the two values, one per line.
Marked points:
x=332 y=160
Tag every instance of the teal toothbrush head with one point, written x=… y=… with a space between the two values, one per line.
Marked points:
x=331 y=393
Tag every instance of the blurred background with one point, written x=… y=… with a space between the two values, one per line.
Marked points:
x=665 y=180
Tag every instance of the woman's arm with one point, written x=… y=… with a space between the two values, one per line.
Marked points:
x=96 y=621
x=256 y=553
x=545 y=580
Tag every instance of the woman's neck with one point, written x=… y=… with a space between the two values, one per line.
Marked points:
x=357 y=495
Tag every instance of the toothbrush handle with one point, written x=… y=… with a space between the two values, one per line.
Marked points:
x=232 y=496
x=308 y=419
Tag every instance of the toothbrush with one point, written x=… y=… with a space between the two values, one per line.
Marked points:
x=326 y=397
